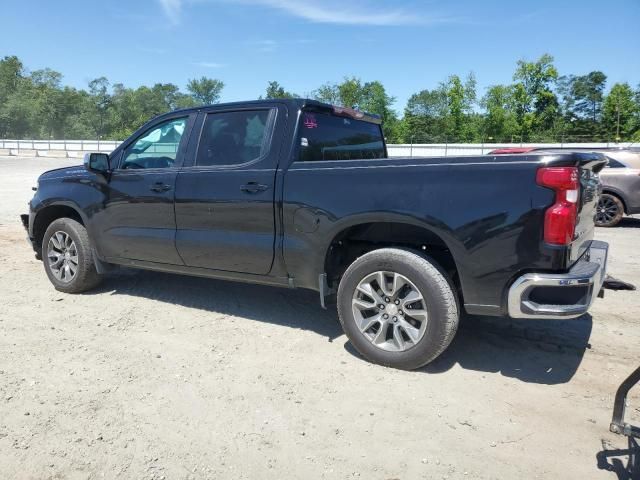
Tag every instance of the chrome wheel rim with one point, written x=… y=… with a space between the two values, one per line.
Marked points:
x=390 y=311
x=62 y=256
x=607 y=210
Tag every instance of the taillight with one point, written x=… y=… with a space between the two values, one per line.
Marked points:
x=560 y=218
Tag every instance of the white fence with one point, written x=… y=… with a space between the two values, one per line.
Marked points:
x=55 y=148
x=76 y=148
x=457 y=149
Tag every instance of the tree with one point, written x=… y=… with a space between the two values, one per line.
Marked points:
x=370 y=97
x=205 y=91
x=11 y=79
x=500 y=120
x=327 y=93
x=98 y=104
x=275 y=90
x=620 y=112
x=424 y=117
x=537 y=107
x=48 y=96
x=374 y=99
x=11 y=72
x=588 y=91
x=460 y=100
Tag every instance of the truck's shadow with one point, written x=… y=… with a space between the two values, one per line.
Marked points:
x=534 y=351
x=547 y=352
x=297 y=309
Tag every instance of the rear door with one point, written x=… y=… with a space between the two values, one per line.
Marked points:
x=137 y=221
x=225 y=197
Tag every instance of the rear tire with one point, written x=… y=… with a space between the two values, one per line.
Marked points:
x=68 y=258
x=417 y=298
x=610 y=210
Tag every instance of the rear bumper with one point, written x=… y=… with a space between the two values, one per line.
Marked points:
x=560 y=295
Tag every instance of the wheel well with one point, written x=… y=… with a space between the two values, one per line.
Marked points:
x=355 y=241
x=618 y=196
x=49 y=214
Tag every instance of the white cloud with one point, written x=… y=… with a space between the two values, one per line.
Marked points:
x=351 y=12
x=209 y=64
x=172 y=10
x=265 y=46
x=339 y=13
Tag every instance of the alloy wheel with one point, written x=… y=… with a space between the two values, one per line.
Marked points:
x=390 y=311
x=62 y=256
x=607 y=210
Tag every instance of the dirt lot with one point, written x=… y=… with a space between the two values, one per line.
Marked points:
x=157 y=376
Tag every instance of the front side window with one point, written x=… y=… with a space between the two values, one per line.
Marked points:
x=233 y=138
x=330 y=137
x=157 y=148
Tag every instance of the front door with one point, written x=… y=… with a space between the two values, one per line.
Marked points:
x=138 y=219
x=225 y=199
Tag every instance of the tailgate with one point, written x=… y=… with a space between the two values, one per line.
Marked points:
x=589 y=165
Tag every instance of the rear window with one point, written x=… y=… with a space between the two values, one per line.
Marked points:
x=328 y=137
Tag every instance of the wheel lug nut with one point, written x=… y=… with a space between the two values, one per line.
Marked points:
x=400 y=313
x=387 y=299
x=395 y=319
x=385 y=316
x=397 y=302
x=381 y=306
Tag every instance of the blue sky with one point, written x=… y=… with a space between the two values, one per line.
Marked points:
x=409 y=45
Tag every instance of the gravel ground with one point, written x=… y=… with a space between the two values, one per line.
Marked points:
x=158 y=376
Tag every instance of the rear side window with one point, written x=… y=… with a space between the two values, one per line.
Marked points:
x=233 y=138
x=329 y=137
x=614 y=163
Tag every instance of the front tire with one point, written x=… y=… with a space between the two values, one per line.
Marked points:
x=397 y=308
x=67 y=257
x=610 y=210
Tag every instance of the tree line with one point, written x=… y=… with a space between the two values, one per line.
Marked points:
x=539 y=105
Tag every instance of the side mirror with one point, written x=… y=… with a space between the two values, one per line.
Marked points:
x=97 y=162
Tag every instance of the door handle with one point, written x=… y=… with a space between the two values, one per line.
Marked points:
x=253 y=187
x=159 y=187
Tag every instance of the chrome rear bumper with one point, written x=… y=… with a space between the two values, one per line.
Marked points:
x=560 y=295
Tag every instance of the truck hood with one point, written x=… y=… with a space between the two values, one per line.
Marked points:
x=65 y=172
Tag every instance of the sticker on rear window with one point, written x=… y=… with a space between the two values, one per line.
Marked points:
x=310 y=121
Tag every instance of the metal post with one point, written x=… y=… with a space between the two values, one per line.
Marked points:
x=618 y=425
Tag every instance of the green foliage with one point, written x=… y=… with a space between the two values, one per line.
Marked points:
x=370 y=97
x=205 y=91
x=540 y=105
x=275 y=90
x=37 y=105
x=500 y=124
x=621 y=112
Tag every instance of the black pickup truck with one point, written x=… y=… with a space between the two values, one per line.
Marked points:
x=299 y=193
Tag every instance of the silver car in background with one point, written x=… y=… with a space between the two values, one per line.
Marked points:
x=620 y=187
